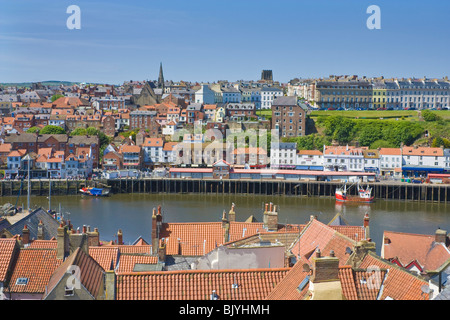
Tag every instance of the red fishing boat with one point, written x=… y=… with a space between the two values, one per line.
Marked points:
x=364 y=194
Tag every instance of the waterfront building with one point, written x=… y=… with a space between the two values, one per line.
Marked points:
x=153 y=151
x=253 y=157
x=371 y=161
x=446 y=160
x=132 y=156
x=283 y=155
x=309 y=160
x=113 y=160
x=289 y=117
x=419 y=161
x=343 y=158
x=390 y=162
x=268 y=95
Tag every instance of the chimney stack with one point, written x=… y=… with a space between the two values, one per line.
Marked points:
x=119 y=237
x=325 y=283
x=155 y=233
x=270 y=218
x=226 y=227
x=110 y=285
x=440 y=236
x=62 y=246
x=25 y=235
x=40 y=231
x=93 y=238
x=162 y=251
x=232 y=214
x=366 y=225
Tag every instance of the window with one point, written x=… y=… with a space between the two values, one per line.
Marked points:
x=68 y=291
x=21 y=281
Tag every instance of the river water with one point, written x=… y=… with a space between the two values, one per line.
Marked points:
x=132 y=212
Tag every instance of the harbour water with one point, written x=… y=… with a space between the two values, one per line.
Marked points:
x=132 y=212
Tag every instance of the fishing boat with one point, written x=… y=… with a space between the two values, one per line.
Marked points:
x=364 y=194
x=95 y=192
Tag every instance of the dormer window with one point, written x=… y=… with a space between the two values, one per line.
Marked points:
x=22 y=281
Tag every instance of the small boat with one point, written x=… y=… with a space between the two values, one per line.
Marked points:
x=364 y=194
x=95 y=192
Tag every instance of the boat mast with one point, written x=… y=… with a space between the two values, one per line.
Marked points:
x=49 y=195
x=29 y=189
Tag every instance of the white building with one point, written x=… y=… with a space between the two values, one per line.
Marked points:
x=205 y=95
x=343 y=158
x=424 y=93
x=283 y=155
x=423 y=156
x=153 y=150
x=390 y=162
x=268 y=95
x=310 y=160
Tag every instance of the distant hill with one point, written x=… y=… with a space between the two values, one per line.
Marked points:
x=44 y=83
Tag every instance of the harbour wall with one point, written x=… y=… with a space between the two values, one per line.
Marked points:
x=387 y=191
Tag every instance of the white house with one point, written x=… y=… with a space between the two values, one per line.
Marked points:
x=283 y=154
x=310 y=160
x=343 y=158
x=153 y=150
x=268 y=95
x=390 y=162
x=205 y=95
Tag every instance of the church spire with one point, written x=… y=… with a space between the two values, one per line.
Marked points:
x=161 y=77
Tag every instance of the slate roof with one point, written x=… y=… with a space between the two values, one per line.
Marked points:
x=32 y=220
x=254 y=284
x=285 y=101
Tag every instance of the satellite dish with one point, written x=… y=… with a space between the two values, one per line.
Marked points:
x=348 y=250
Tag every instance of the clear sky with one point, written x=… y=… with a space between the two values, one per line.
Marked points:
x=210 y=40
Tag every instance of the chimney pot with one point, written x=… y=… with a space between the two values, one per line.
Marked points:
x=332 y=253
x=318 y=253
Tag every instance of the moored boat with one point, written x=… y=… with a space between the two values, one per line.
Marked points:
x=95 y=192
x=364 y=194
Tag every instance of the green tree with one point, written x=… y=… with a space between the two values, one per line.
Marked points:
x=34 y=130
x=381 y=144
x=52 y=130
x=427 y=115
x=56 y=97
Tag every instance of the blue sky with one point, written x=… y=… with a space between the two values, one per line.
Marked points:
x=209 y=40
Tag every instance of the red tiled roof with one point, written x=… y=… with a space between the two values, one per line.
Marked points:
x=6 y=252
x=42 y=244
x=128 y=261
x=129 y=148
x=153 y=142
x=408 y=247
x=398 y=283
x=37 y=265
x=253 y=284
x=105 y=255
x=390 y=151
x=90 y=274
x=423 y=151
x=5 y=147
x=317 y=235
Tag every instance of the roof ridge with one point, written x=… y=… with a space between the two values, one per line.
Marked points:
x=204 y=271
